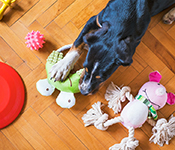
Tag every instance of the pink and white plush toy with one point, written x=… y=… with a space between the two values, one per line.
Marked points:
x=151 y=97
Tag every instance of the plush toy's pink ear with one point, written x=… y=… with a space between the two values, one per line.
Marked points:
x=171 y=98
x=155 y=76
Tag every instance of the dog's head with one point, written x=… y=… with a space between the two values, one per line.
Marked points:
x=107 y=52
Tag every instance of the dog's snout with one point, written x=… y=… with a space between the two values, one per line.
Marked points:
x=84 y=88
x=84 y=92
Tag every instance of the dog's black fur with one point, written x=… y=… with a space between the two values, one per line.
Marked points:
x=124 y=22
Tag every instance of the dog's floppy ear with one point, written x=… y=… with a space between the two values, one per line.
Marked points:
x=126 y=51
x=95 y=35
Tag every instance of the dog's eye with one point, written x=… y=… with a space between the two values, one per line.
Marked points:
x=97 y=77
x=86 y=69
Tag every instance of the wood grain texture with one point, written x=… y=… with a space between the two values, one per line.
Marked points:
x=42 y=124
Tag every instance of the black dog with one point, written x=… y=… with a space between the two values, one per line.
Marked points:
x=112 y=37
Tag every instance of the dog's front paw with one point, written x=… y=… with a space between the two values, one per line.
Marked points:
x=169 y=17
x=61 y=70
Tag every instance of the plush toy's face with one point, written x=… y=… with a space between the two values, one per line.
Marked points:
x=155 y=93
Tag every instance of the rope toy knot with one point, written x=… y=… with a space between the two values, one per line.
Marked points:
x=99 y=124
x=115 y=95
x=163 y=131
x=95 y=116
x=128 y=143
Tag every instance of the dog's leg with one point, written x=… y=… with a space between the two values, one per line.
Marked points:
x=60 y=70
x=169 y=17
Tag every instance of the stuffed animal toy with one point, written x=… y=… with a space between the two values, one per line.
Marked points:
x=68 y=87
x=151 y=97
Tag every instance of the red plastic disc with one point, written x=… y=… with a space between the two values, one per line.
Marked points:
x=12 y=95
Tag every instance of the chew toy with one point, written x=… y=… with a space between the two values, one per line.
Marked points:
x=67 y=88
x=35 y=40
x=151 y=97
x=6 y=3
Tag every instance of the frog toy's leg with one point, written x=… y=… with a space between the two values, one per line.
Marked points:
x=66 y=100
x=44 y=87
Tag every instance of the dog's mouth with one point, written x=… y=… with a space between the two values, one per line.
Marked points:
x=81 y=77
x=81 y=84
x=84 y=88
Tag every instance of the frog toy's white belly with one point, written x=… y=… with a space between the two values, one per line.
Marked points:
x=134 y=114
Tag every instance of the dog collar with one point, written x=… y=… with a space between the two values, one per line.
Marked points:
x=147 y=103
x=98 y=23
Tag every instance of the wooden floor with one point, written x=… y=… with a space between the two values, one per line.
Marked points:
x=43 y=124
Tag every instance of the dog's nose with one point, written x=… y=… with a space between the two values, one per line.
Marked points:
x=84 y=92
x=84 y=88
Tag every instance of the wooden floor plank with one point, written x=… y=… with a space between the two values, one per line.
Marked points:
x=36 y=11
x=78 y=129
x=53 y=11
x=62 y=130
x=71 y=30
x=150 y=58
x=31 y=135
x=8 y=55
x=5 y=143
x=31 y=79
x=159 y=50
x=71 y=12
x=16 y=138
x=43 y=130
x=93 y=9
x=59 y=35
x=171 y=31
x=164 y=39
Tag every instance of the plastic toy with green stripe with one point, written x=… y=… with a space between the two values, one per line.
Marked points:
x=67 y=88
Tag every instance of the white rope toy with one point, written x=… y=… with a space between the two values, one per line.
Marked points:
x=163 y=131
x=114 y=95
x=128 y=143
x=95 y=116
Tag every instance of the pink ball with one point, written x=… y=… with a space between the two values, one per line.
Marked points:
x=35 y=40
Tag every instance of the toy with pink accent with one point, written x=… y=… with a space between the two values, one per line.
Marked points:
x=35 y=40
x=151 y=97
